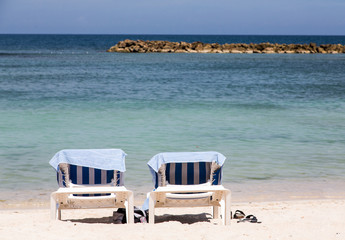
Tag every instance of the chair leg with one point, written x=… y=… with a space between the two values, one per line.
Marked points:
x=223 y=209
x=59 y=214
x=226 y=207
x=151 y=208
x=53 y=208
x=130 y=208
x=215 y=212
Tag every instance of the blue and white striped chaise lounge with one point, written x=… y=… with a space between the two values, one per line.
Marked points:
x=90 y=187
x=189 y=179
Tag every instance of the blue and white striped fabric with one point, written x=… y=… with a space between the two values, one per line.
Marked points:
x=80 y=175
x=180 y=171
x=84 y=175
x=107 y=159
x=171 y=157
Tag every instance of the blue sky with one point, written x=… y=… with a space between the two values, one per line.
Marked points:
x=300 y=17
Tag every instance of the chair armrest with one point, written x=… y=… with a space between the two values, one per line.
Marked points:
x=91 y=190
x=190 y=188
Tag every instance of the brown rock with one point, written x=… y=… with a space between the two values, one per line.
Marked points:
x=249 y=51
x=268 y=50
x=235 y=51
x=205 y=51
x=207 y=46
x=226 y=46
x=191 y=50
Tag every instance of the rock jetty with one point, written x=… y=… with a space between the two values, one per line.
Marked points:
x=140 y=46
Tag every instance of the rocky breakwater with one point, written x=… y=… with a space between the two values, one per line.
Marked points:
x=139 y=46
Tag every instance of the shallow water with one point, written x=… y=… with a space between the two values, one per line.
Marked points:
x=275 y=117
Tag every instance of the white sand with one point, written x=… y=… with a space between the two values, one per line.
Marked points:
x=303 y=219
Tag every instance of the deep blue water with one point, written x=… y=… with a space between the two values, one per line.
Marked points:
x=275 y=117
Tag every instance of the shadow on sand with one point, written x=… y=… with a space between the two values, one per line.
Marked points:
x=184 y=219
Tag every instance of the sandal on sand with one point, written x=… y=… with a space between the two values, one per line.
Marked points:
x=249 y=218
x=239 y=214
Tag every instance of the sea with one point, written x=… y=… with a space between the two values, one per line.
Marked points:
x=278 y=118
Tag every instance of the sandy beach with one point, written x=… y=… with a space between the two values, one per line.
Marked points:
x=301 y=219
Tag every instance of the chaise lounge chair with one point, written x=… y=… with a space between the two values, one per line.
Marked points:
x=189 y=179
x=90 y=178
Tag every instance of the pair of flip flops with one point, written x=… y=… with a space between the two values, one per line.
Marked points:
x=243 y=218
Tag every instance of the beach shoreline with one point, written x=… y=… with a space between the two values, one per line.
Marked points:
x=250 y=191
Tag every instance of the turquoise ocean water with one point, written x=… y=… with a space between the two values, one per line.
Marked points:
x=275 y=117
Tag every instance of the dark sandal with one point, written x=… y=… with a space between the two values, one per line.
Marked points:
x=249 y=218
x=239 y=214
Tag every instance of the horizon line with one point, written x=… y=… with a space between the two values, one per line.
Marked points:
x=172 y=34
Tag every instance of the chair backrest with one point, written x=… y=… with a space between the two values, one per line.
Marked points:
x=188 y=173
x=80 y=175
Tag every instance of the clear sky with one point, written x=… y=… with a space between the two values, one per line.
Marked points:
x=300 y=17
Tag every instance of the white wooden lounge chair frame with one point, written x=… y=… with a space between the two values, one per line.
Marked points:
x=119 y=197
x=196 y=196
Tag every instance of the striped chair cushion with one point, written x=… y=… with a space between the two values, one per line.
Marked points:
x=80 y=175
x=189 y=174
